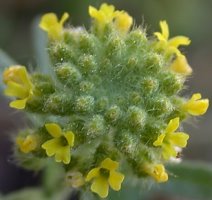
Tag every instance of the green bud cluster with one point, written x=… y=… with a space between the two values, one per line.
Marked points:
x=114 y=90
x=111 y=96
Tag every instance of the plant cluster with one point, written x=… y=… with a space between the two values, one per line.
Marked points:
x=110 y=107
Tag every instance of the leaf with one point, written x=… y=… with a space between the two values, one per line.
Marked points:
x=28 y=193
x=191 y=179
x=36 y=194
x=136 y=191
x=5 y=60
x=53 y=177
x=39 y=41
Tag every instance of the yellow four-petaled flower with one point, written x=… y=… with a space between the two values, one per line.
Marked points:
x=27 y=144
x=171 y=139
x=18 y=85
x=60 y=145
x=107 y=14
x=157 y=171
x=170 y=45
x=105 y=175
x=196 y=106
x=104 y=15
x=52 y=25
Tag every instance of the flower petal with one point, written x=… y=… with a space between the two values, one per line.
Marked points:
x=69 y=137
x=109 y=164
x=179 y=139
x=159 y=140
x=18 y=104
x=173 y=125
x=164 y=29
x=64 y=18
x=196 y=96
x=52 y=146
x=196 y=106
x=63 y=154
x=22 y=73
x=108 y=11
x=178 y=41
x=92 y=11
x=104 y=15
x=48 y=20
x=123 y=21
x=54 y=130
x=92 y=174
x=180 y=65
x=115 y=180
x=100 y=186
x=168 y=151
x=15 y=90
x=200 y=108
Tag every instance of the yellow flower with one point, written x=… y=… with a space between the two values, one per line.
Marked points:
x=107 y=14
x=171 y=139
x=181 y=66
x=123 y=21
x=27 y=144
x=60 y=145
x=18 y=85
x=51 y=24
x=104 y=15
x=196 y=106
x=158 y=172
x=170 y=45
x=105 y=175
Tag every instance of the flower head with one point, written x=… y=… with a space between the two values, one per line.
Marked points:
x=170 y=139
x=105 y=175
x=180 y=65
x=158 y=172
x=27 y=144
x=60 y=145
x=195 y=105
x=170 y=45
x=51 y=24
x=18 y=85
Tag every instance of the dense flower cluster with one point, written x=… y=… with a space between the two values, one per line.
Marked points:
x=114 y=100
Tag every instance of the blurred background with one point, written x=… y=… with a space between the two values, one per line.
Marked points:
x=192 y=18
